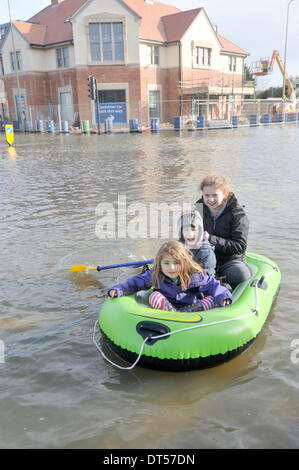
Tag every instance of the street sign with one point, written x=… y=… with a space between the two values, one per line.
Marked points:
x=9 y=134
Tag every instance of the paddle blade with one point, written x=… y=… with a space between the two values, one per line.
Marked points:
x=80 y=267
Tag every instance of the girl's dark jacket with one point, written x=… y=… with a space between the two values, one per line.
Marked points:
x=228 y=232
x=201 y=285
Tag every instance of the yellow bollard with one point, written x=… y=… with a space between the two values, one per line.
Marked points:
x=9 y=134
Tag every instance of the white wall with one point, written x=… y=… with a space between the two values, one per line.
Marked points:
x=225 y=63
x=33 y=59
x=99 y=11
x=200 y=34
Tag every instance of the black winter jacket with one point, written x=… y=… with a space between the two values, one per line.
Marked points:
x=228 y=233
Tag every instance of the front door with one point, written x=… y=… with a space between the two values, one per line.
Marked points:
x=66 y=105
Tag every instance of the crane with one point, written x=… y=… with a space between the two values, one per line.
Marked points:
x=265 y=66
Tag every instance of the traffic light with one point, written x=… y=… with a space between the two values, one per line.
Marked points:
x=91 y=87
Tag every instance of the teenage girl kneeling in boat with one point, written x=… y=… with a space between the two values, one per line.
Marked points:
x=226 y=226
x=180 y=284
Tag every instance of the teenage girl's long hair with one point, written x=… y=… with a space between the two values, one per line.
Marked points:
x=219 y=182
x=177 y=251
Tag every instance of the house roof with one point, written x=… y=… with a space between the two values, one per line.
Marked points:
x=177 y=24
x=230 y=47
x=152 y=26
x=158 y=22
x=55 y=17
x=33 y=33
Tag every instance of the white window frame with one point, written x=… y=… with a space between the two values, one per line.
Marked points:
x=155 y=88
x=232 y=63
x=19 y=60
x=203 y=56
x=62 y=59
x=101 y=50
x=153 y=55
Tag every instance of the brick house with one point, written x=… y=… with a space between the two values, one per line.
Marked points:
x=150 y=60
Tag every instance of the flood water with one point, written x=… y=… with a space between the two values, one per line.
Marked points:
x=56 y=389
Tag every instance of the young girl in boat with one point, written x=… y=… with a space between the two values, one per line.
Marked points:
x=190 y=228
x=180 y=284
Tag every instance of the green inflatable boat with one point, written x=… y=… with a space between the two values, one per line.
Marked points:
x=177 y=341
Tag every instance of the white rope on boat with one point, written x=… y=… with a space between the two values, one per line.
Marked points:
x=163 y=335
x=113 y=363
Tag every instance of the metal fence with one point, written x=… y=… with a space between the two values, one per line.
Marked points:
x=182 y=114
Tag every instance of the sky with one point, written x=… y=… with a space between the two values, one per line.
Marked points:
x=258 y=26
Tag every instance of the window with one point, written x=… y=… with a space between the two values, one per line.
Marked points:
x=21 y=106
x=153 y=55
x=154 y=103
x=3 y=29
x=112 y=96
x=203 y=56
x=19 y=60
x=62 y=57
x=232 y=63
x=113 y=103
x=1 y=66
x=106 y=42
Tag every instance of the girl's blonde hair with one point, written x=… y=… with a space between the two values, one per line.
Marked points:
x=177 y=251
x=219 y=182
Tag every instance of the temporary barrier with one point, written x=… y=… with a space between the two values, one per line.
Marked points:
x=178 y=122
x=267 y=118
x=234 y=121
x=196 y=114
x=133 y=125
x=39 y=125
x=50 y=126
x=109 y=125
x=155 y=124
x=27 y=126
x=85 y=126
x=253 y=120
x=3 y=124
x=64 y=127
x=200 y=122
x=291 y=117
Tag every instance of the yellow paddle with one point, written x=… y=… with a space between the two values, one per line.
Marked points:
x=80 y=267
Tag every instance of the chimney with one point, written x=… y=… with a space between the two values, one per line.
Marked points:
x=150 y=2
x=55 y=2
